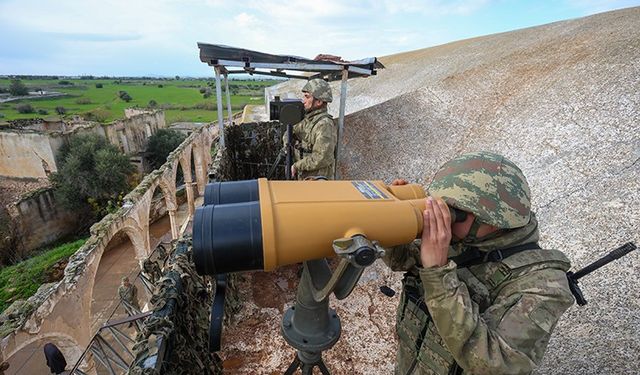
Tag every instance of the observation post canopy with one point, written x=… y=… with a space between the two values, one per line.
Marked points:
x=231 y=60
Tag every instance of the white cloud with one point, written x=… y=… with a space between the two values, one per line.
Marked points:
x=245 y=20
x=432 y=7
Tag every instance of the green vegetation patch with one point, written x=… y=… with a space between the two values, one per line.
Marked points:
x=22 y=280
x=103 y=99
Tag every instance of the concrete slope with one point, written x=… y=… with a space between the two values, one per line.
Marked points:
x=562 y=101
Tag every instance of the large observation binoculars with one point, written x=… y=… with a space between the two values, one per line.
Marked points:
x=261 y=224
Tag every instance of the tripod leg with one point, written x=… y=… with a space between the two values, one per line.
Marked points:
x=293 y=366
x=323 y=368
x=307 y=369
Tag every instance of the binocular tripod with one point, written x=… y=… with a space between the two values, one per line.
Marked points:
x=310 y=326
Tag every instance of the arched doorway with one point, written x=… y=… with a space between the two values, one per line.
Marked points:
x=118 y=260
x=31 y=360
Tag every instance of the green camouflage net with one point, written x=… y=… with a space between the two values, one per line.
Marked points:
x=250 y=151
x=174 y=340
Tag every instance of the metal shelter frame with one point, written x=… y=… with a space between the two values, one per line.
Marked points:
x=230 y=60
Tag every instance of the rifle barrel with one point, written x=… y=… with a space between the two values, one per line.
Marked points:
x=613 y=255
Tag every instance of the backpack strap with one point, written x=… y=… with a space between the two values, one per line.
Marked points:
x=473 y=256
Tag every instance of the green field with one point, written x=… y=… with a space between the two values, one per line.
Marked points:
x=23 y=279
x=179 y=98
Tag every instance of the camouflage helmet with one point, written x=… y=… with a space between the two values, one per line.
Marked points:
x=319 y=89
x=488 y=185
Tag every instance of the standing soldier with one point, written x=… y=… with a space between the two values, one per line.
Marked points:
x=129 y=295
x=314 y=137
x=479 y=296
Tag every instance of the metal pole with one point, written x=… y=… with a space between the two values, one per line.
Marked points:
x=102 y=356
x=219 y=100
x=119 y=341
x=343 y=102
x=116 y=359
x=226 y=84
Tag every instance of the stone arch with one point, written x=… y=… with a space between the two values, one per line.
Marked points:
x=185 y=163
x=28 y=357
x=200 y=164
x=137 y=236
x=169 y=194
x=119 y=257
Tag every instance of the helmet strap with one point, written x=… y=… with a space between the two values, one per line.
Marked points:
x=472 y=236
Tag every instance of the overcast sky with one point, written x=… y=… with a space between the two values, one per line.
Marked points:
x=158 y=37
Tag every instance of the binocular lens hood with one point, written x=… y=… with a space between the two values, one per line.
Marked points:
x=234 y=231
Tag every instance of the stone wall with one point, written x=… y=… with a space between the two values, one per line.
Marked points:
x=27 y=153
x=31 y=151
x=41 y=220
x=63 y=309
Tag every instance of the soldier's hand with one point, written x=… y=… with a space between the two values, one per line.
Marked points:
x=293 y=171
x=436 y=233
x=399 y=181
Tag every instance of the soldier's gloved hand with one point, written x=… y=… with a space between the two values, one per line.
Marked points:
x=436 y=233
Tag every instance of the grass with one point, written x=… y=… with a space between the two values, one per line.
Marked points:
x=22 y=280
x=181 y=99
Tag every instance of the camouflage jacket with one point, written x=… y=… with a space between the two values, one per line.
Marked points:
x=315 y=140
x=491 y=318
x=129 y=294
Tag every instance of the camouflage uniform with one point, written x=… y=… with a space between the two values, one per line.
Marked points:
x=129 y=295
x=315 y=137
x=495 y=317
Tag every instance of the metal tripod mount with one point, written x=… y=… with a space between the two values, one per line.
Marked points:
x=310 y=326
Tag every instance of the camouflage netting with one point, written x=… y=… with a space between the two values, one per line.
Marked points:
x=174 y=339
x=250 y=151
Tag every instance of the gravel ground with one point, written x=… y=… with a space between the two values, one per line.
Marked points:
x=563 y=102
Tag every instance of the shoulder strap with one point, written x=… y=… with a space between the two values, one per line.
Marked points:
x=472 y=256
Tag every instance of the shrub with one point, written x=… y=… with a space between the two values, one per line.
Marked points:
x=1 y=115
x=124 y=96
x=161 y=85
x=202 y=90
x=24 y=108
x=97 y=114
x=83 y=101
x=153 y=103
x=43 y=112
x=61 y=110
x=65 y=83
x=98 y=85
x=17 y=88
x=207 y=106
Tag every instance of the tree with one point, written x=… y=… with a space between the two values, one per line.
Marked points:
x=161 y=144
x=124 y=96
x=25 y=108
x=98 y=85
x=92 y=173
x=17 y=88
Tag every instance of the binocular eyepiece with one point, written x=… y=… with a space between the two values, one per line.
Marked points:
x=261 y=224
